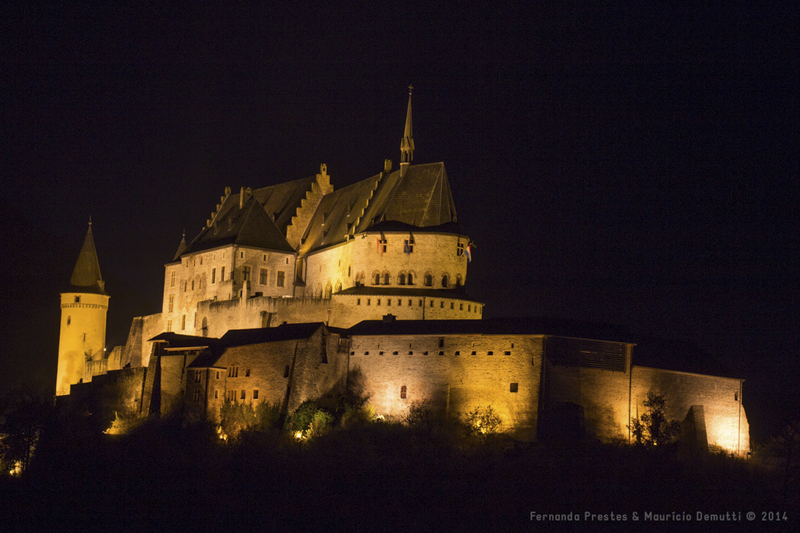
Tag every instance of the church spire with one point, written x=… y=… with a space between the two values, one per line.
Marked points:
x=407 y=144
x=86 y=274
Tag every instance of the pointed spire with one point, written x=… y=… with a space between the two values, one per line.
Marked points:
x=181 y=247
x=407 y=144
x=86 y=274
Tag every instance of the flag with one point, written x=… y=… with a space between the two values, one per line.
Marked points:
x=406 y=247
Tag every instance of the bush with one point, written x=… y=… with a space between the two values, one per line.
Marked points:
x=236 y=417
x=653 y=428
x=309 y=420
x=482 y=421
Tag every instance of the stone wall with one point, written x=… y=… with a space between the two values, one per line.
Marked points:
x=721 y=398
x=456 y=373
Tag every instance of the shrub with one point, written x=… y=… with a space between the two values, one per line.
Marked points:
x=482 y=421
x=653 y=428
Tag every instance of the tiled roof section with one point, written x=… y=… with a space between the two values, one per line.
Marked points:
x=496 y=326
x=422 y=198
x=249 y=225
x=284 y=332
x=282 y=200
x=206 y=359
x=422 y=292
x=86 y=274
x=175 y=340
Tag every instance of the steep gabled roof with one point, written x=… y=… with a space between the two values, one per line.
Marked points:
x=86 y=274
x=422 y=198
x=248 y=225
x=283 y=200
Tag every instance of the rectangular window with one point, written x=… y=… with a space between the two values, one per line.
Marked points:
x=183 y=322
x=213 y=275
x=196 y=395
x=172 y=279
x=244 y=394
x=171 y=306
x=245 y=273
x=231 y=395
x=233 y=372
x=217 y=374
x=255 y=394
x=358 y=301
x=197 y=376
x=408 y=246
x=222 y=274
x=265 y=258
x=247 y=373
x=169 y=326
x=515 y=387
x=216 y=394
x=263 y=277
x=280 y=279
x=441 y=342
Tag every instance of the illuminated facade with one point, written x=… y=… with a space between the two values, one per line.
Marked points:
x=292 y=290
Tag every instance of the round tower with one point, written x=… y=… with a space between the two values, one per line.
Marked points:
x=83 y=318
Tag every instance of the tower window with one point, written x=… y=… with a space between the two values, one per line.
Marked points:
x=444 y=281
x=403 y=391
x=69 y=320
x=514 y=387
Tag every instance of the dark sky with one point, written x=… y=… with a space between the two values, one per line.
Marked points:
x=632 y=165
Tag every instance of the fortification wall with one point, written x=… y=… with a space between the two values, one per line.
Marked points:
x=603 y=394
x=118 y=391
x=721 y=398
x=456 y=373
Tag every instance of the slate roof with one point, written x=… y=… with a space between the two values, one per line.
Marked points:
x=249 y=225
x=86 y=275
x=284 y=332
x=497 y=326
x=420 y=199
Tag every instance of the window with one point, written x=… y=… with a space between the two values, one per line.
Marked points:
x=469 y=308
x=444 y=281
x=213 y=275
x=286 y=371
x=69 y=320
x=244 y=394
x=279 y=281
x=506 y=353
x=428 y=280
x=349 y=271
x=441 y=304
x=514 y=387
x=459 y=280
x=169 y=327
x=247 y=373
x=217 y=374
x=77 y=299
x=460 y=307
x=233 y=372
x=403 y=391
x=490 y=352
x=185 y=286
x=382 y=246
x=401 y=279
x=231 y=395
x=265 y=258
x=171 y=305
x=192 y=284
x=431 y=303
x=386 y=278
x=389 y=301
x=196 y=395
x=197 y=376
x=358 y=301
x=379 y=301
x=216 y=394
x=263 y=276
x=369 y=300
x=460 y=249
x=452 y=305
x=410 y=278
x=255 y=394
x=241 y=255
x=441 y=342
x=172 y=279
x=183 y=322
x=377 y=279
x=245 y=274
x=408 y=246
x=222 y=274
x=474 y=352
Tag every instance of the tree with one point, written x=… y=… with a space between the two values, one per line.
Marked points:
x=482 y=421
x=653 y=428
x=23 y=416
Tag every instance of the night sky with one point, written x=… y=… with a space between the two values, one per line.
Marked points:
x=630 y=165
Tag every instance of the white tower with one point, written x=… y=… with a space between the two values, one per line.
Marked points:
x=83 y=318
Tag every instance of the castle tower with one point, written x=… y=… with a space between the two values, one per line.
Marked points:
x=407 y=144
x=83 y=318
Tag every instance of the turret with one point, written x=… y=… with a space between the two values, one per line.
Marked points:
x=83 y=318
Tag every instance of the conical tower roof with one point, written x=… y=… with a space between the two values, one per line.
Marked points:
x=86 y=274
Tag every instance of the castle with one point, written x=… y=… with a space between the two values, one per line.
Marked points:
x=293 y=290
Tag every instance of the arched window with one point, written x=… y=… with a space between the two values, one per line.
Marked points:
x=428 y=280
x=359 y=279
x=410 y=278
x=403 y=391
x=377 y=278
x=386 y=278
x=401 y=279
x=327 y=294
x=444 y=281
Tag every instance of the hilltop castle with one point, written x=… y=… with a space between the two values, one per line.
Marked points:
x=291 y=290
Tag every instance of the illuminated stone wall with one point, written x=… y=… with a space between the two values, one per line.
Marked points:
x=458 y=380
x=361 y=258
x=721 y=398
